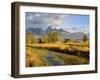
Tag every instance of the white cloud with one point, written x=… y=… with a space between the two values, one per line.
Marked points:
x=43 y=20
x=30 y=17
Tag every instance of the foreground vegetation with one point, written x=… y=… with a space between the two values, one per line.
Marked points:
x=78 y=49
x=43 y=57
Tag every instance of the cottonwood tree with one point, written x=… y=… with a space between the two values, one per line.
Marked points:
x=52 y=37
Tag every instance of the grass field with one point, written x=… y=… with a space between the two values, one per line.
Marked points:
x=56 y=54
x=79 y=49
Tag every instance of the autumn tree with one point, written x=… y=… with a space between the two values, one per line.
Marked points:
x=52 y=37
x=30 y=38
x=34 y=39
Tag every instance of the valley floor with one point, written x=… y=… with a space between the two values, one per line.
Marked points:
x=36 y=56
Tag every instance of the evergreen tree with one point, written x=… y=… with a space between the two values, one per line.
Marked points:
x=85 y=38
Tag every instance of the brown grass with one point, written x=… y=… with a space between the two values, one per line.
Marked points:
x=33 y=58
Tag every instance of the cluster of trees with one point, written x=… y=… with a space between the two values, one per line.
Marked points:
x=49 y=37
x=52 y=37
x=30 y=38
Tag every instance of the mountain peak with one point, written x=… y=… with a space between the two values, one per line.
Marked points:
x=63 y=33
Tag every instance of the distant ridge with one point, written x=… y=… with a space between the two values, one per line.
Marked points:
x=63 y=33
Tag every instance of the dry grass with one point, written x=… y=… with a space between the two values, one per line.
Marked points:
x=60 y=46
x=79 y=49
x=33 y=58
x=36 y=57
x=72 y=60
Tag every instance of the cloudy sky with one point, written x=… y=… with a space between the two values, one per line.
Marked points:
x=69 y=22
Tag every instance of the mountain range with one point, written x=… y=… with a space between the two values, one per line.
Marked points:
x=63 y=33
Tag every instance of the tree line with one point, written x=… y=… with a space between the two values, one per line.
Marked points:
x=50 y=37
